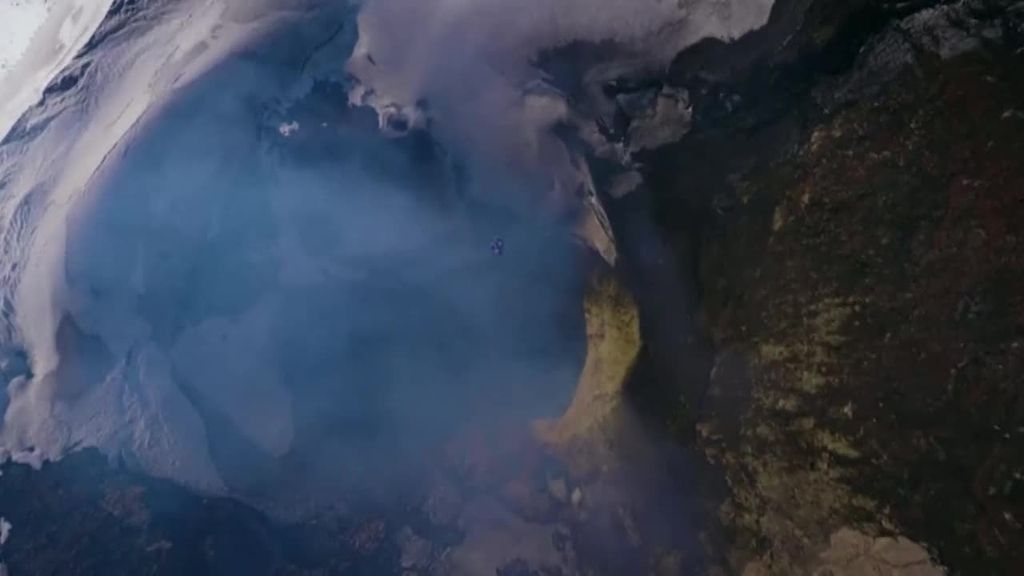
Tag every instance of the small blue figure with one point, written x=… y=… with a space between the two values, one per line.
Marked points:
x=498 y=247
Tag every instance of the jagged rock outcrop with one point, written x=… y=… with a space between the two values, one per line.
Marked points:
x=861 y=280
x=944 y=31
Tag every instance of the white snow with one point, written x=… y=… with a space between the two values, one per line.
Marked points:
x=38 y=38
x=5 y=530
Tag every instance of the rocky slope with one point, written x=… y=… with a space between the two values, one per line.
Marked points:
x=861 y=280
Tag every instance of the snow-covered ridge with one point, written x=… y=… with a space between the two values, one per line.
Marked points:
x=46 y=176
x=38 y=38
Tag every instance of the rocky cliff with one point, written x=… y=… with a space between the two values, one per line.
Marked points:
x=850 y=203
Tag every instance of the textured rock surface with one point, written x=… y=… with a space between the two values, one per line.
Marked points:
x=862 y=284
x=587 y=428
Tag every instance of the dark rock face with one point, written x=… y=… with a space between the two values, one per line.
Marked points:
x=881 y=310
x=83 y=517
x=861 y=276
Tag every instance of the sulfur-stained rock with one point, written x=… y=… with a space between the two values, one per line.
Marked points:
x=585 y=434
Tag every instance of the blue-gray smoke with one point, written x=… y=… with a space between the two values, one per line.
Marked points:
x=326 y=299
x=240 y=283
